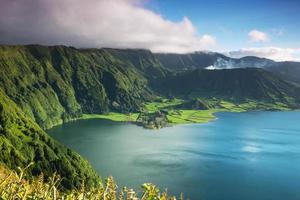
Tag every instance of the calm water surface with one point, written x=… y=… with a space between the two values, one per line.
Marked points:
x=240 y=156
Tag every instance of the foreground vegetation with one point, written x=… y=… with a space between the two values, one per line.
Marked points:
x=18 y=185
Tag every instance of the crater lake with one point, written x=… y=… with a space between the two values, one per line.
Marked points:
x=251 y=155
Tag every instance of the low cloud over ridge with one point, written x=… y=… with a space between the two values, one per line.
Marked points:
x=274 y=53
x=96 y=23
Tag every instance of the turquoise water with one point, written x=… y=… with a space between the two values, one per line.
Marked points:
x=240 y=156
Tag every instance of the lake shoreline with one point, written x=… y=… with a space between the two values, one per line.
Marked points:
x=210 y=118
x=179 y=116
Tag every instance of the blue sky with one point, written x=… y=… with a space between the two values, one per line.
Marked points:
x=264 y=28
x=231 y=20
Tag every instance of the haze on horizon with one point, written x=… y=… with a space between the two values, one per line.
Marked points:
x=267 y=28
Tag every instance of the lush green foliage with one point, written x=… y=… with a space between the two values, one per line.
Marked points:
x=118 y=117
x=144 y=61
x=44 y=86
x=201 y=110
x=161 y=103
x=236 y=85
x=153 y=120
x=56 y=84
x=18 y=185
x=22 y=141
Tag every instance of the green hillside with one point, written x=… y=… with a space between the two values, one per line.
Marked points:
x=236 y=85
x=22 y=141
x=44 y=86
x=144 y=61
x=56 y=84
x=289 y=71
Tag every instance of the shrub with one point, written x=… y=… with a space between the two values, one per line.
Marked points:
x=19 y=185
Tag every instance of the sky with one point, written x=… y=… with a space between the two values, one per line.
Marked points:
x=264 y=28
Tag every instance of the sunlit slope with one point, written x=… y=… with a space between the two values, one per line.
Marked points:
x=55 y=84
x=22 y=142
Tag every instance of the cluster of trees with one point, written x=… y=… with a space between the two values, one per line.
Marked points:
x=153 y=120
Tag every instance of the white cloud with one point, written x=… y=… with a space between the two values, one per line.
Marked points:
x=274 y=53
x=258 y=36
x=97 y=23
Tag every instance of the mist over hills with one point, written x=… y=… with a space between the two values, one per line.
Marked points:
x=201 y=60
x=159 y=64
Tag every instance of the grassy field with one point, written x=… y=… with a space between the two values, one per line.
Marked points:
x=119 y=117
x=190 y=116
x=174 y=116
x=185 y=116
x=161 y=104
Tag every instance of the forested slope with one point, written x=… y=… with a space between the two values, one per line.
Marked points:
x=56 y=84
